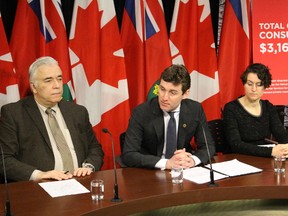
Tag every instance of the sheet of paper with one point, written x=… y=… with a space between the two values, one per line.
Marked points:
x=234 y=168
x=63 y=188
x=200 y=175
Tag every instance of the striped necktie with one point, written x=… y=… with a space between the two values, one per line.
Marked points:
x=60 y=140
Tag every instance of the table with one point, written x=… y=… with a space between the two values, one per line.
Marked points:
x=147 y=189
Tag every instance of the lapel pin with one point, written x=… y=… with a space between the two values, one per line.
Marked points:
x=184 y=125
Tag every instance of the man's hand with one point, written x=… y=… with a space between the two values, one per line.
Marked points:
x=54 y=174
x=181 y=158
x=82 y=172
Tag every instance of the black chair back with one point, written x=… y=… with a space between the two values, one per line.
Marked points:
x=217 y=132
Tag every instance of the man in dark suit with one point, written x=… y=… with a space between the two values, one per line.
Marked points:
x=146 y=140
x=30 y=149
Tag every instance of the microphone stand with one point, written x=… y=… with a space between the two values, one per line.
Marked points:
x=7 y=205
x=116 y=196
x=212 y=182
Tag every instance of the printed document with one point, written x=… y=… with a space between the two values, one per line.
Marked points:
x=63 y=188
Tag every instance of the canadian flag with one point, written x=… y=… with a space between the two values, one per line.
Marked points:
x=146 y=46
x=39 y=30
x=98 y=70
x=192 y=44
x=234 y=48
x=9 y=91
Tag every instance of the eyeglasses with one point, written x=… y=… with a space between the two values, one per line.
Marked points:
x=252 y=84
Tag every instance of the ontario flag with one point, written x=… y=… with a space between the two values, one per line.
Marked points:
x=234 y=48
x=39 y=30
x=98 y=70
x=192 y=44
x=146 y=46
x=9 y=91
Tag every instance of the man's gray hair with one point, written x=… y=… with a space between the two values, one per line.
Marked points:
x=33 y=69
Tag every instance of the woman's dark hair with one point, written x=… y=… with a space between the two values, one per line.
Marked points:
x=177 y=74
x=262 y=71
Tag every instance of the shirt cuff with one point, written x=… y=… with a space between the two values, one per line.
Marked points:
x=161 y=164
x=88 y=165
x=196 y=160
x=34 y=175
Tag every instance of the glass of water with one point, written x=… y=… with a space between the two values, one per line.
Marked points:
x=177 y=175
x=279 y=164
x=97 y=189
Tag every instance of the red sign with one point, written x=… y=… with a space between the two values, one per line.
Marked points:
x=270 y=45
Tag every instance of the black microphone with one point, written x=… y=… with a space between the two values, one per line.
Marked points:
x=7 y=205
x=116 y=197
x=212 y=182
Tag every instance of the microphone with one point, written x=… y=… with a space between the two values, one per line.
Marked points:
x=7 y=205
x=212 y=182
x=116 y=197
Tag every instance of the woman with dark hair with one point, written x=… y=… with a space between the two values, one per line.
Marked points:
x=249 y=120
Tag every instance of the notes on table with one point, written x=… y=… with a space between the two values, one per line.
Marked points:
x=234 y=168
x=63 y=188
x=221 y=170
x=200 y=175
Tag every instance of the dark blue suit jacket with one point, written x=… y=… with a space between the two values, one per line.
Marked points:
x=144 y=139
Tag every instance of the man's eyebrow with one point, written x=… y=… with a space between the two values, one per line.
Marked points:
x=47 y=78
